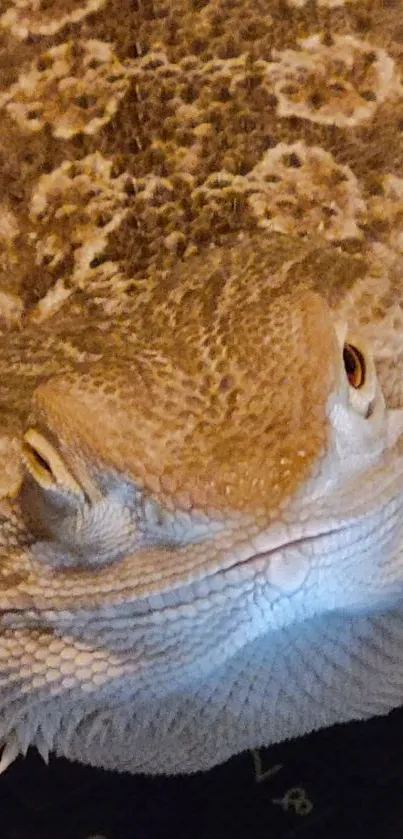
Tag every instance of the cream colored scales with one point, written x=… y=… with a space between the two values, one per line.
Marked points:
x=200 y=376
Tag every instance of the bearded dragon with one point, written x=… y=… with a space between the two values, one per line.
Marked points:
x=208 y=519
x=201 y=398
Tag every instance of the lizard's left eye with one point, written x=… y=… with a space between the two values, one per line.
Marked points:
x=354 y=365
x=45 y=465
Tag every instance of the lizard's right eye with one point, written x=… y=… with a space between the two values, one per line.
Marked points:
x=45 y=465
x=364 y=393
x=354 y=366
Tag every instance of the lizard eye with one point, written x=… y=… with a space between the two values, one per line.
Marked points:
x=364 y=393
x=45 y=465
x=354 y=365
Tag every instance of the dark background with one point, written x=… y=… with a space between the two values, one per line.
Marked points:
x=342 y=782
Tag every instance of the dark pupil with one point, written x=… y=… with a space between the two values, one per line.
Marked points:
x=350 y=361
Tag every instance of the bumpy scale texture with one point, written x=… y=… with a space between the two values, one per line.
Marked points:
x=179 y=180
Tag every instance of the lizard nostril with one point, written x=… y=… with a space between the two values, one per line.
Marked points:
x=46 y=465
x=35 y=460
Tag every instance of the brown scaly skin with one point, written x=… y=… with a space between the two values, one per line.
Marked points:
x=201 y=516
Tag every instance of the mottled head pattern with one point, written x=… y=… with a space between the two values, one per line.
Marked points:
x=198 y=199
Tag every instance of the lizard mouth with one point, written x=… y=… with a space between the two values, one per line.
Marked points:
x=223 y=581
x=279 y=560
x=284 y=564
x=259 y=590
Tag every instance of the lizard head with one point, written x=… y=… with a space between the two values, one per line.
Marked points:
x=224 y=474
x=238 y=422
